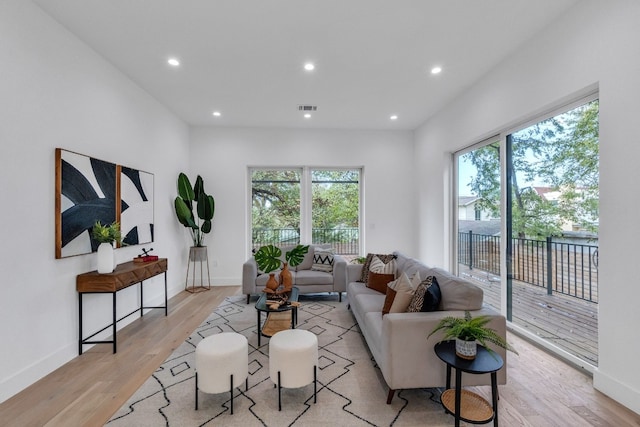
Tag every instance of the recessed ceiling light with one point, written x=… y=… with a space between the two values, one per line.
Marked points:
x=309 y=66
x=307 y=116
x=217 y=113
x=394 y=117
x=436 y=70
x=173 y=61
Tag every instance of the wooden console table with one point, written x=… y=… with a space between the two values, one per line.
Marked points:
x=124 y=275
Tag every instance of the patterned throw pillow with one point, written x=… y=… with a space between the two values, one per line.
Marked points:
x=425 y=299
x=364 y=276
x=378 y=266
x=323 y=261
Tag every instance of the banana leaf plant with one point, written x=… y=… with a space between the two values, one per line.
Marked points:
x=198 y=222
x=268 y=257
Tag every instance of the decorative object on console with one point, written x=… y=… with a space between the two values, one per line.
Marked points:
x=106 y=235
x=145 y=257
x=470 y=329
x=268 y=259
x=198 y=224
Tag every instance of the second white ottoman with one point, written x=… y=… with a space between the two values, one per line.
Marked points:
x=293 y=360
x=222 y=364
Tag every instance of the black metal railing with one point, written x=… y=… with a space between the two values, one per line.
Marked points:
x=566 y=268
x=344 y=241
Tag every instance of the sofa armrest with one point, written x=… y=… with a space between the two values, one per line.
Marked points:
x=249 y=274
x=354 y=272
x=339 y=274
x=405 y=344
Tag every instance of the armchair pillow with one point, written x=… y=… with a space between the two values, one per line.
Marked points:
x=322 y=260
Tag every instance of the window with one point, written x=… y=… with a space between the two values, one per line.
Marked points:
x=306 y=205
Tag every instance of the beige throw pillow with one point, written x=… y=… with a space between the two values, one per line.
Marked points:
x=404 y=288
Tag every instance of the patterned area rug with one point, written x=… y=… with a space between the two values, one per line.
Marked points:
x=351 y=390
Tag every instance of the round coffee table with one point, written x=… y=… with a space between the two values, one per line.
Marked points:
x=463 y=404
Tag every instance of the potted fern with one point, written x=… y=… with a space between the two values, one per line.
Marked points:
x=468 y=332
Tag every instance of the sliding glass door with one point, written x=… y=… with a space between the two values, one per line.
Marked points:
x=541 y=215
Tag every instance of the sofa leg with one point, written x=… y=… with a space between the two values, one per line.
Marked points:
x=390 y=396
x=339 y=296
x=248 y=298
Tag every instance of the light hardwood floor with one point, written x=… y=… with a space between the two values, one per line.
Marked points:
x=541 y=390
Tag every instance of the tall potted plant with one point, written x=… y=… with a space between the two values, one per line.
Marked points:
x=198 y=221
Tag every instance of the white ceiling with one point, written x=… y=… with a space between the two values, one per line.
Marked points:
x=245 y=57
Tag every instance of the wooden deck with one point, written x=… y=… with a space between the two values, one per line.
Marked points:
x=567 y=322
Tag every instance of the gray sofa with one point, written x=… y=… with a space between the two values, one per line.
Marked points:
x=398 y=341
x=305 y=278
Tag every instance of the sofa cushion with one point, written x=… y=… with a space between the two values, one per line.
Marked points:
x=311 y=277
x=322 y=260
x=370 y=302
x=457 y=293
x=367 y=263
x=423 y=299
x=307 y=261
x=378 y=281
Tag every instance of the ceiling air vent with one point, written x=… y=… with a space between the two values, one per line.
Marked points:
x=307 y=107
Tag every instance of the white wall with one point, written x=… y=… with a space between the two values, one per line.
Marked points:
x=56 y=92
x=222 y=156
x=595 y=44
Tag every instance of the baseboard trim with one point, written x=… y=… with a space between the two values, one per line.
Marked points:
x=616 y=390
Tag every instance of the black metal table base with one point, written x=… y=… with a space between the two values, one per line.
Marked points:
x=82 y=341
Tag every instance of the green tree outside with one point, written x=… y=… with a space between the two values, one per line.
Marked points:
x=561 y=153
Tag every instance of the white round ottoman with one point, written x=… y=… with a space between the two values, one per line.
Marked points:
x=293 y=360
x=222 y=363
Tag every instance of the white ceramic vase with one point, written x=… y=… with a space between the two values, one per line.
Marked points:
x=466 y=349
x=106 y=258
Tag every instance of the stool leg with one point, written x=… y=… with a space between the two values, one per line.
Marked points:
x=279 y=397
x=196 y=391
x=231 y=390
x=315 y=384
x=246 y=384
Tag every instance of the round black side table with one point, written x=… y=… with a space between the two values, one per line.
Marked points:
x=463 y=404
